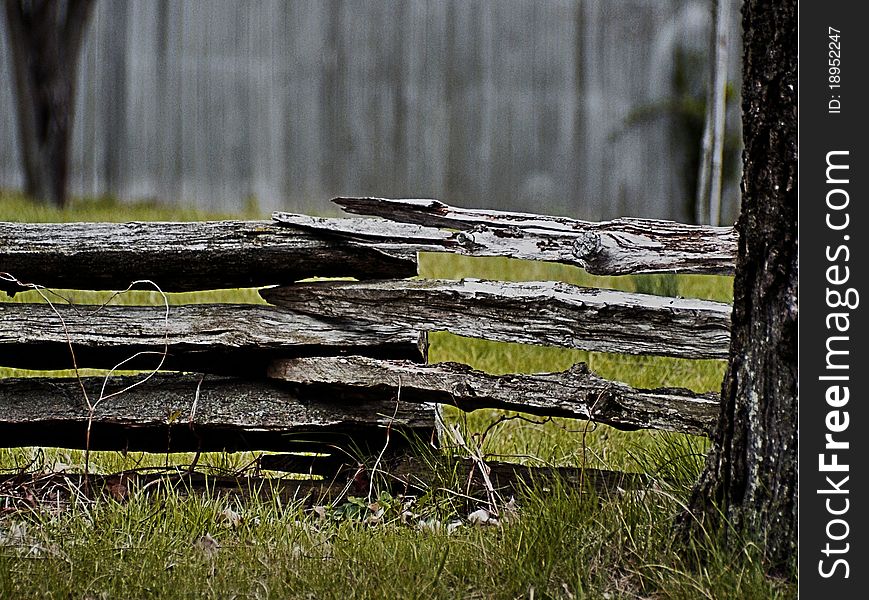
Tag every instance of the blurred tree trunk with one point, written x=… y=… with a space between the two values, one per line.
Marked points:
x=45 y=37
x=750 y=479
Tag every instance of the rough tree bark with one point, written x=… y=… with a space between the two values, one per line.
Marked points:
x=751 y=471
x=45 y=37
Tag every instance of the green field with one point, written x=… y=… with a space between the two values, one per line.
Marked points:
x=560 y=543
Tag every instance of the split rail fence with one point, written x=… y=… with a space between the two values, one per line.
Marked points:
x=324 y=363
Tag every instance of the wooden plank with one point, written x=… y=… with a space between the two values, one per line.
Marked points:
x=576 y=393
x=545 y=313
x=23 y=491
x=174 y=412
x=410 y=476
x=215 y=338
x=183 y=256
x=390 y=236
x=617 y=247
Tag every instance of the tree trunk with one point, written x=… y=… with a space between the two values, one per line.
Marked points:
x=750 y=479
x=45 y=37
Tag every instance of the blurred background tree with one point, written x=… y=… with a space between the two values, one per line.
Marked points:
x=45 y=38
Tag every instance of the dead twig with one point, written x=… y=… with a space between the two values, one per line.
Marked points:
x=385 y=444
x=588 y=423
x=93 y=404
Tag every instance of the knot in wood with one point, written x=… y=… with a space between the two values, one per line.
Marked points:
x=463 y=389
x=587 y=244
x=580 y=369
x=464 y=238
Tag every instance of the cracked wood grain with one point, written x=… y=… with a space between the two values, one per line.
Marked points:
x=544 y=313
x=183 y=256
x=406 y=476
x=576 y=393
x=215 y=338
x=175 y=412
x=617 y=247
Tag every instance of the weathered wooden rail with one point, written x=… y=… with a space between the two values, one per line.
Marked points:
x=211 y=338
x=175 y=412
x=575 y=393
x=619 y=247
x=183 y=257
x=330 y=365
x=546 y=313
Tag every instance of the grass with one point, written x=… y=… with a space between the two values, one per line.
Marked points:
x=16 y=207
x=564 y=543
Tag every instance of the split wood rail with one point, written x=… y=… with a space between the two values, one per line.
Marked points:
x=336 y=362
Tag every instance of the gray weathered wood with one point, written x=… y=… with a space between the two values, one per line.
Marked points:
x=22 y=490
x=575 y=393
x=617 y=247
x=389 y=236
x=216 y=338
x=183 y=256
x=191 y=412
x=543 y=313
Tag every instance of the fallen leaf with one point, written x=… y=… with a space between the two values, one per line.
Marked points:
x=431 y=525
x=479 y=517
x=376 y=517
x=453 y=526
x=296 y=551
x=15 y=535
x=208 y=545
x=510 y=511
x=230 y=518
